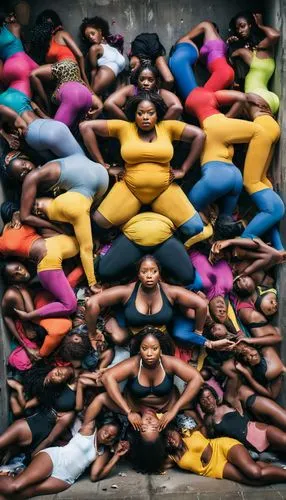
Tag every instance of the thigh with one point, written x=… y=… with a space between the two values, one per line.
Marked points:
x=120 y=205
x=104 y=77
x=174 y=204
x=39 y=469
x=173 y=257
x=119 y=259
x=46 y=487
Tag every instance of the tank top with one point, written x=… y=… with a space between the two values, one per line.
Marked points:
x=58 y=52
x=9 y=44
x=136 y=318
x=18 y=242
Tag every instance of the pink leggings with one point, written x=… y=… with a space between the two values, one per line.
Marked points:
x=215 y=279
x=55 y=281
x=16 y=72
x=75 y=99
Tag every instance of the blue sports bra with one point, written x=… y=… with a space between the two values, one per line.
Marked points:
x=141 y=391
x=9 y=44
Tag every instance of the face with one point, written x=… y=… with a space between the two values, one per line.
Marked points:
x=107 y=434
x=242 y=28
x=173 y=439
x=208 y=402
x=150 y=426
x=245 y=284
x=218 y=308
x=93 y=35
x=17 y=272
x=269 y=304
x=149 y=274
x=20 y=168
x=59 y=375
x=150 y=350
x=251 y=356
x=146 y=80
x=219 y=331
x=146 y=116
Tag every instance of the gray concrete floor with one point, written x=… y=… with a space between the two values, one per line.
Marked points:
x=173 y=485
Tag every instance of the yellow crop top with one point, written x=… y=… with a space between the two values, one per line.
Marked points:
x=134 y=150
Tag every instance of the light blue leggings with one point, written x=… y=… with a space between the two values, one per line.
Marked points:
x=52 y=139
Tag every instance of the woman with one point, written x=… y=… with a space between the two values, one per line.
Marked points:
x=146 y=147
x=150 y=384
x=213 y=51
x=146 y=302
x=261 y=64
x=53 y=391
x=222 y=132
x=145 y=78
x=84 y=181
x=183 y=55
x=262 y=299
x=17 y=65
x=146 y=48
x=65 y=69
x=220 y=458
x=56 y=469
x=106 y=61
x=222 y=420
x=24 y=242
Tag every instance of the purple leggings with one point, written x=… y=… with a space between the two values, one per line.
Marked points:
x=55 y=281
x=75 y=99
x=216 y=279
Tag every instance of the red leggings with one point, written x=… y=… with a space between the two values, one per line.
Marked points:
x=222 y=75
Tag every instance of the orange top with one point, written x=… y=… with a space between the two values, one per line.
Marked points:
x=58 y=52
x=18 y=242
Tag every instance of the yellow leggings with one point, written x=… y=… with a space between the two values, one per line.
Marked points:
x=59 y=248
x=120 y=205
x=259 y=156
x=74 y=208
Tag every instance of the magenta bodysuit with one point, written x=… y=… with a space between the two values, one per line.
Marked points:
x=216 y=280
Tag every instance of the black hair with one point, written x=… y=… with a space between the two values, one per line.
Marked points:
x=42 y=33
x=239 y=352
x=148 y=66
x=71 y=351
x=147 y=456
x=3 y=16
x=133 y=103
x=5 y=275
x=97 y=23
x=148 y=256
x=241 y=292
x=34 y=385
x=7 y=210
x=164 y=339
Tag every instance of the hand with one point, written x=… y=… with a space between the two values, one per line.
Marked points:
x=116 y=172
x=257 y=101
x=135 y=420
x=13 y=141
x=95 y=289
x=232 y=39
x=16 y=221
x=177 y=174
x=122 y=448
x=258 y=18
x=20 y=125
x=223 y=345
x=167 y=418
x=33 y=354
x=219 y=245
x=246 y=340
x=240 y=368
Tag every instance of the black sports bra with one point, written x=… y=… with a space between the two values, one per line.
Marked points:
x=141 y=391
x=136 y=318
x=66 y=400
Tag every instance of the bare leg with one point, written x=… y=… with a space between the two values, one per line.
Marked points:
x=118 y=335
x=47 y=487
x=276 y=438
x=18 y=433
x=39 y=469
x=265 y=407
x=165 y=72
x=104 y=77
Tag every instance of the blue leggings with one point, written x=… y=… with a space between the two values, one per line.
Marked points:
x=181 y=64
x=219 y=180
x=52 y=139
x=271 y=210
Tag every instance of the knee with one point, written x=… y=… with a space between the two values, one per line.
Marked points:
x=99 y=220
x=254 y=472
x=192 y=227
x=71 y=305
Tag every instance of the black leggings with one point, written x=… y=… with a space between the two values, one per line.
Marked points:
x=124 y=254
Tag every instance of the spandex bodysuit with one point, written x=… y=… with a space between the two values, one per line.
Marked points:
x=241 y=427
x=222 y=74
x=17 y=65
x=147 y=178
x=112 y=59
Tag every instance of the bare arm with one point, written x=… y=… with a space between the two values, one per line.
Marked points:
x=271 y=34
x=267 y=340
x=43 y=73
x=89 y=130
x=116 y=374
x=105 y=463
x=71 y=44
x=63 y=422
x=116 y=101
x=197 y=138
x=256 y=386
x=202 y=28
x=173 y=104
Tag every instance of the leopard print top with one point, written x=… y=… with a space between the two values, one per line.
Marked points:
x=65 y=71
